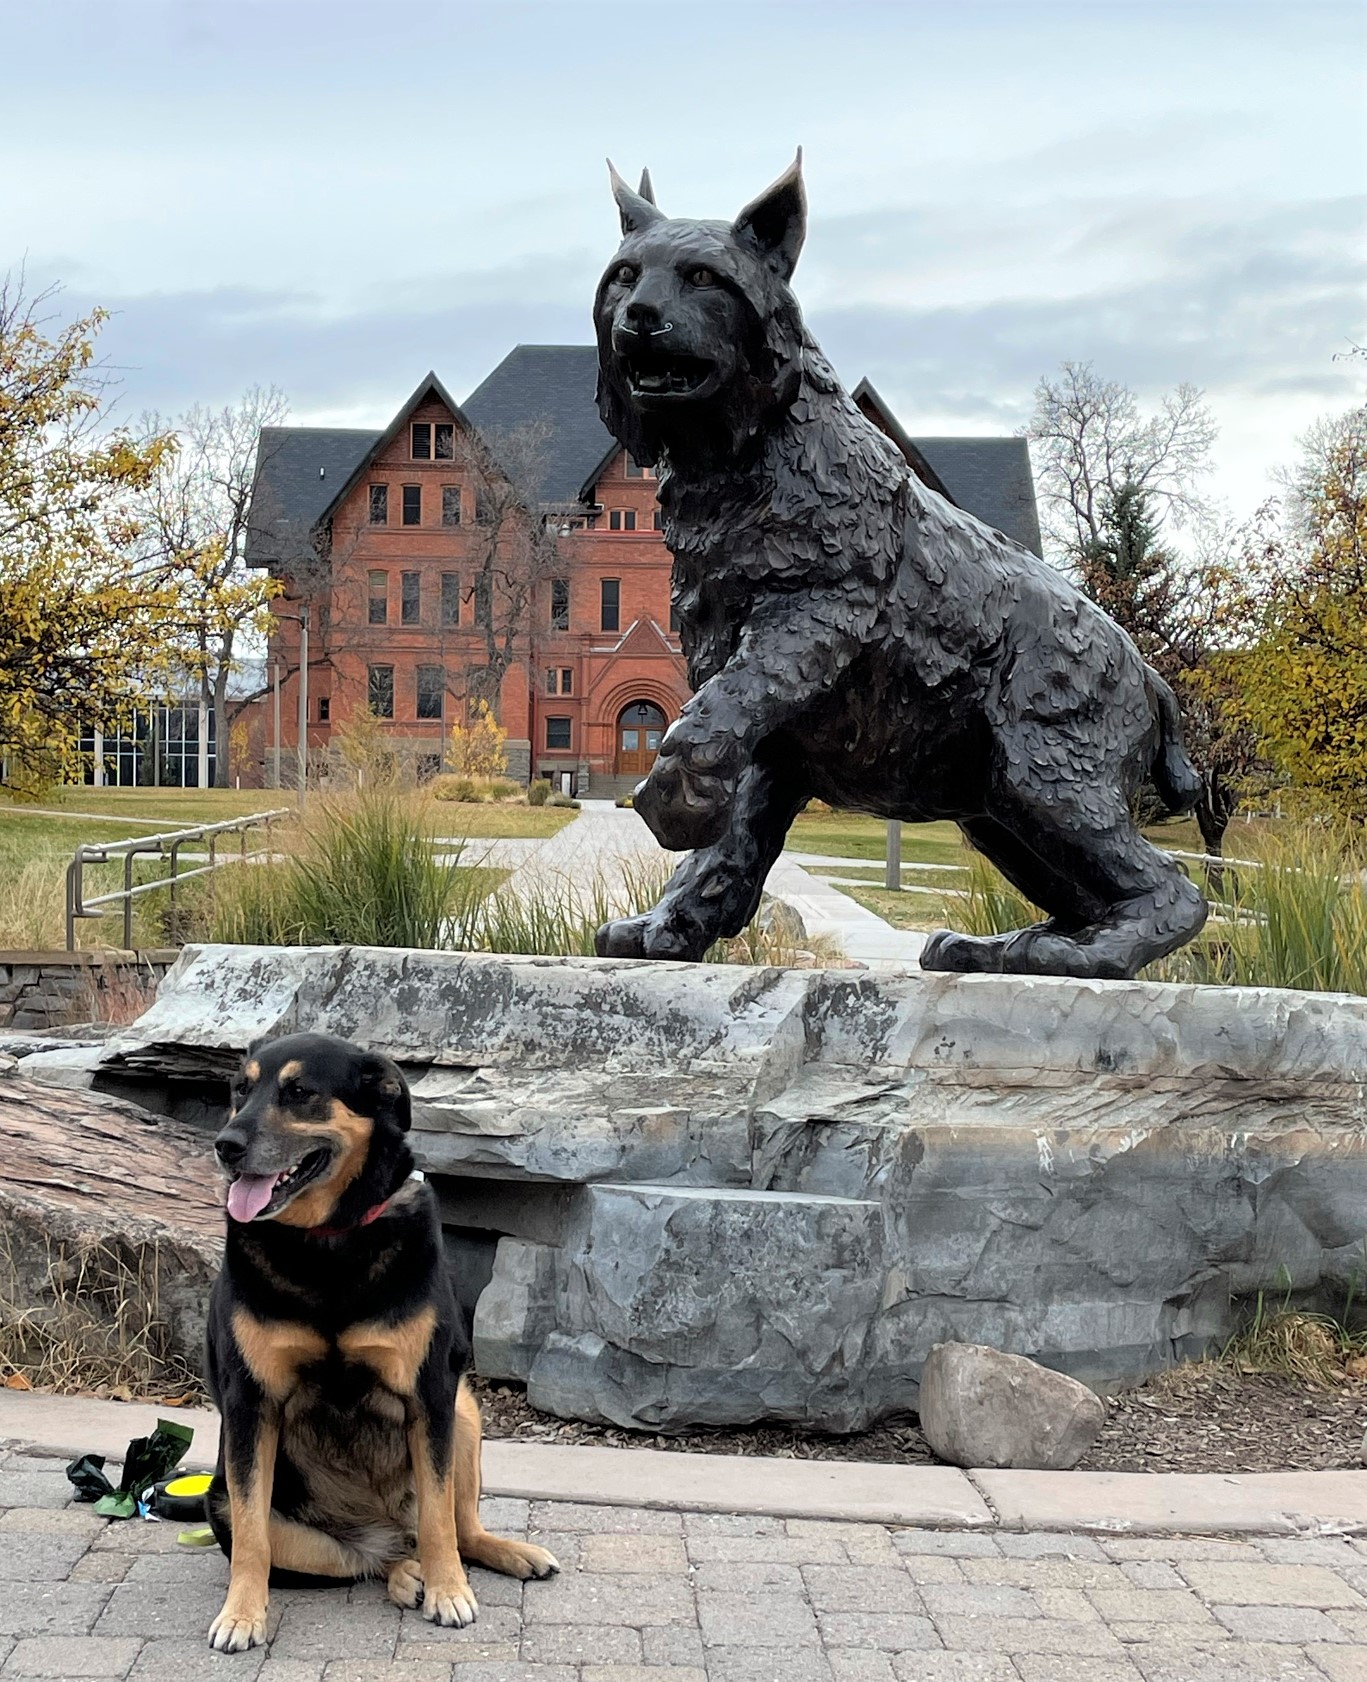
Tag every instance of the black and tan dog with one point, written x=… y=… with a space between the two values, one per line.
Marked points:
x=350 y=1444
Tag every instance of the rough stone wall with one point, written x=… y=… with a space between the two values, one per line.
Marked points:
x=52 y=989
x=726 y=1194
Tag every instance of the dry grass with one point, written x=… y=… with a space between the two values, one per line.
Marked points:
x=1315 y=1349
x=101 y=1329
x=33 y=907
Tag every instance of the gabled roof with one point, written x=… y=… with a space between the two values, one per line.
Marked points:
x=298 y=470
x=990 y=477
x=553 y=384
x=644 y=638
x=303 y=472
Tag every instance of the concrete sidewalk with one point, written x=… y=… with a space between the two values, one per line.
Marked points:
x=1265 y=1503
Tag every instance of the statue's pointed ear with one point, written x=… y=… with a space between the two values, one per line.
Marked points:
x=775 y=224
x=637 y=212
x=646 y=191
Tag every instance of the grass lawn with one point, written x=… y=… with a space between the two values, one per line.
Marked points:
x=851 y=835
x=36 y=847
x=854 y=836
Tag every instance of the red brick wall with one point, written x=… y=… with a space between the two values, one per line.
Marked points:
x=605 y=675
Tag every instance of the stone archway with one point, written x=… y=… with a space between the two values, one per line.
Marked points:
x=640 y=727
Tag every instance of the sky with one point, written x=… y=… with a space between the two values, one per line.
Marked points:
x=334 y=198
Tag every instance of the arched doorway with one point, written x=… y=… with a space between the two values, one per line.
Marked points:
x=639 y=729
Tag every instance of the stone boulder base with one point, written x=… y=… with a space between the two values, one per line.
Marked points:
x=980 y=1407
x=709 y=1195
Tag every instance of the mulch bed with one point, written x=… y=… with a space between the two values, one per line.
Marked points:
x=1196 y=1419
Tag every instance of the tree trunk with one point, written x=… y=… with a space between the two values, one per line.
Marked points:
x=1216 y=806
x=222 y=728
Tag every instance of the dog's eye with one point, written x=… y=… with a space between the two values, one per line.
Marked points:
x=626 y=273
x=702 y=277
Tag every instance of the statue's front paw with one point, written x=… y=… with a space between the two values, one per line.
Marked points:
x=642 y=937
x=685 y=807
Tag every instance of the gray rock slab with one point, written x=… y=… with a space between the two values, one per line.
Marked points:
x=979 y=1407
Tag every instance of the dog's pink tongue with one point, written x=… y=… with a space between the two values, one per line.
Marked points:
x=249 y=1194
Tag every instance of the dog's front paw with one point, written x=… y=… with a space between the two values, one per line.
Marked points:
x=237 y=1627
x=449 y=1601
x=647 y=936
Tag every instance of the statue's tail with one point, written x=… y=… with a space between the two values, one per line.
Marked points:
x=1174 y=775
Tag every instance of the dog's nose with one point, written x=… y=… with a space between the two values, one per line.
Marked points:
x=230 y=1148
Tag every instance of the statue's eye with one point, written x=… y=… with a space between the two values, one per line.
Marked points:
x=626 y=273
x=702 y=277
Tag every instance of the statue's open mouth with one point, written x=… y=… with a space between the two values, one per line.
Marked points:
x=653 y=373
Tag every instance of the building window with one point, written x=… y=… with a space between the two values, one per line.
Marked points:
x=379 y=598
x=659 y=521
x=560 y=604
x=431 y=689
x=611 y=604
x=422 y=441
x=379 y=505
x=484 y=508
x=621 y=519
x=484 y=602
x=450 y=505
x=324 y=708
x=566 y=680
x=380 y=691
x=450 y=598
x=559 y=680
x=412 y=505
x=557 y=733
x=410 y=598
x=444 y=439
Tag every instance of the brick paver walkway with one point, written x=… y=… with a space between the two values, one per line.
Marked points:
x=669 y=1597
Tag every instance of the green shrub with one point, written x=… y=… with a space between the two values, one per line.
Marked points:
x=451 y=788
x=562 y=800
x=364 y=874
x=538 y=791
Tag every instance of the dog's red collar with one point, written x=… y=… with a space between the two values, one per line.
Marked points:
x=371 y=1214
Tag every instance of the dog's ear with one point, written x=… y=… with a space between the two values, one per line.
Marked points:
x=638 y=211
x=775 y=224
x=646 y=190
x=384 y=1084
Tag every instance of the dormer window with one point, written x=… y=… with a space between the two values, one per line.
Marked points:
x=433 y=440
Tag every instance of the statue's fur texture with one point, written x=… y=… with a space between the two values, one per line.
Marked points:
x=853 y=636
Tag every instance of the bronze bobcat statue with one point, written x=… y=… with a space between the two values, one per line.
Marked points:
x=853 y=636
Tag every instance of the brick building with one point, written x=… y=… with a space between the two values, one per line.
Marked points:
x=426 y=587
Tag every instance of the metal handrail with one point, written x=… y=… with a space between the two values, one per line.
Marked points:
x=155 y=846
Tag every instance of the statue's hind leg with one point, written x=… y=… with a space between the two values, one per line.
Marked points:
x=948 y=949
x=1115 y=902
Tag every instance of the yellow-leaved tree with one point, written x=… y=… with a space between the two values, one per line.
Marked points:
x=479 y=747
x=81 y=629
x=1305 y=683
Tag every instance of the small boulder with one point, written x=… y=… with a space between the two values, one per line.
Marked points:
x=980 y=1407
